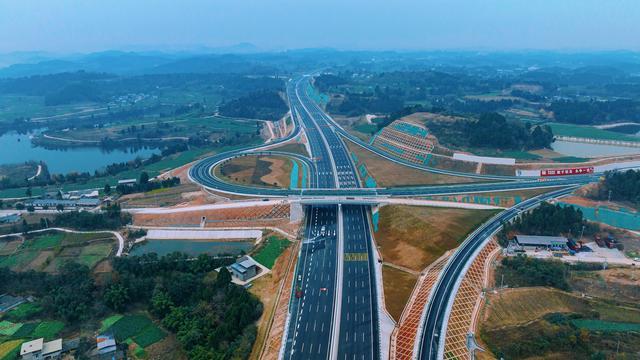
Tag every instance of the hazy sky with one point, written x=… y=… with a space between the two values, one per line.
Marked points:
x=89 y=25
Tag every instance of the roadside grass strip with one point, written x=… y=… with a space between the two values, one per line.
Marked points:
x=267 y=254
x=605 y=326
x=48 y=330
x=9 y=349
x=7 y=328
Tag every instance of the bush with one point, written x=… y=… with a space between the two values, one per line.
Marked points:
x=521 y=271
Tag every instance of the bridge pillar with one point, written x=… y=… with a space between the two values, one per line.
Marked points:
x=295 y=212
x=375 y=216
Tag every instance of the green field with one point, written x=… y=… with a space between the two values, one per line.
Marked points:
x=7 y=328
x=589 y=132
x=135 y=328
x=606 y=326
x=51 y=250
x=269 y=252
x=24 y=311
x=48 y=330
x=108 y=322
x=45 y=241
x=149 y=336
x=93 y=253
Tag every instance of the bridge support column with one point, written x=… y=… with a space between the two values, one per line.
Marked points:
x=295 y=212
x=375 y=215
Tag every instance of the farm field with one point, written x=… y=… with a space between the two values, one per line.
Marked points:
x=15 y=106
x=533 y=317
x=414 y=237
x=51 y=250
x=13 y=334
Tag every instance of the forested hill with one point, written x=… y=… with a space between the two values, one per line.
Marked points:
x=266 y=105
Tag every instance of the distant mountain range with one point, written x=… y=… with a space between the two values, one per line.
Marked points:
x=246 y=57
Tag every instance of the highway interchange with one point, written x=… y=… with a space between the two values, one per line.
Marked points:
x=334 y=311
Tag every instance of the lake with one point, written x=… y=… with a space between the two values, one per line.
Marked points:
x=17 y=148
x=591 y=150
x=193 y=247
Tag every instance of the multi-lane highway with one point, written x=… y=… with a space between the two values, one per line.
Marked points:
x=312 y=303
x=348 y=284
x=437 y=311
x=334 y=310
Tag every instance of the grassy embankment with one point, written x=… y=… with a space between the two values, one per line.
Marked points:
x=265 y=171
x=266 y=288
x=387 y=173
x=414 y=237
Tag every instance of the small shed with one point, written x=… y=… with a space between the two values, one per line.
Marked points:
x=530 y=242
x=244 y=268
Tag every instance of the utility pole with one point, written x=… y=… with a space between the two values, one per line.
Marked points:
x=582 y=232
x=609 y=198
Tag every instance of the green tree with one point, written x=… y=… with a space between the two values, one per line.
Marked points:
x=224 y=277
x=144 y=178
x=116 y=296
x=30 y=208
x=161 y=303
x=28 y=192
x=60 y=207
x=107 y=189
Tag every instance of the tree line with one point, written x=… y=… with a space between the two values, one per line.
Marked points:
x=211 y=317
x=492 y=130
x=620 y=186
x=548 y=220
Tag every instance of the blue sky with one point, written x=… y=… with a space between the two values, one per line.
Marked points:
x=90 y=25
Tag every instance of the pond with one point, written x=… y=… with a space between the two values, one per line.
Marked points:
x=17 y=148
x=591 y=150
x=193 y=247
